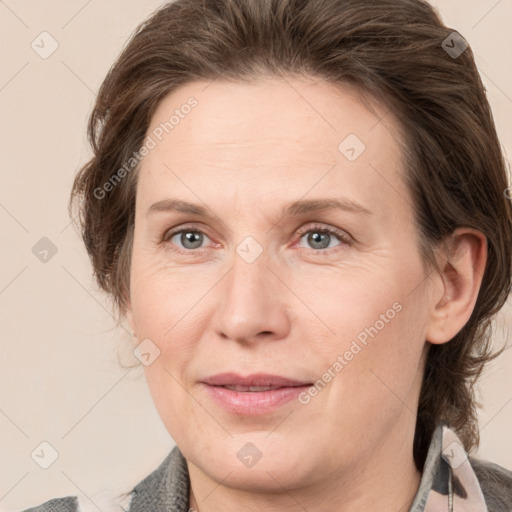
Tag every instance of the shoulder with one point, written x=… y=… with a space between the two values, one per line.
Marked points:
x=166 y=487
x=103 y=501
x=496 y=484
x=67 y=504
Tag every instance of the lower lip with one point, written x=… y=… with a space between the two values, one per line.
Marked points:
x=253 y=403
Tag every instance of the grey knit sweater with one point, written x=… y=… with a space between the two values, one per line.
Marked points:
x=447 y=479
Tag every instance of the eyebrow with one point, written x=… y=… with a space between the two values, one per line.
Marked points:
x=294 y=209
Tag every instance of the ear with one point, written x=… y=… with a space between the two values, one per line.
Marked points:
x=462 y=259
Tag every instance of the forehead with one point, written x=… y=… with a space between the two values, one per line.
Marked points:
x=236 y=112
x=286 y=134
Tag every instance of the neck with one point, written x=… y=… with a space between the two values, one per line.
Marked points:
x=387 y=480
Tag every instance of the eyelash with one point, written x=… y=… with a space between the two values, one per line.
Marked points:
x=343 y=237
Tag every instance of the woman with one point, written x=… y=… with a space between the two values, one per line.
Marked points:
x=300 y=209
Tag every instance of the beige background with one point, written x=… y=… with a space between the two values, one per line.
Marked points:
x=60 y=381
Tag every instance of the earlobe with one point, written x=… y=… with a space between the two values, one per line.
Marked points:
x=462 y=260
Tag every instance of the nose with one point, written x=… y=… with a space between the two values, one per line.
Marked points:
x=253 y=303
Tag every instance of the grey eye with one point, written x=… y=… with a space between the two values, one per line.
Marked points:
x=189 y=239
x=321 y=239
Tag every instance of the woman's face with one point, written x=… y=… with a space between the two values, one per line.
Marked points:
x=242 y=278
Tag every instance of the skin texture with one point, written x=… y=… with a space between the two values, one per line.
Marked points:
x=245 y=152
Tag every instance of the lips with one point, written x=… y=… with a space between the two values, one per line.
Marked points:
x=253 y=389
x=254 y=395
x=252 y=382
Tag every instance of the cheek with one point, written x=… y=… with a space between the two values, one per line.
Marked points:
x=161 y=296
x=364 y=314
x=351 y=304
x=169 y=397
x=377 y=337
x=165 y=311
x=379 y=368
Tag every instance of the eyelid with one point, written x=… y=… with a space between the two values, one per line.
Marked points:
x=340 y=233
x=345 y=239
x=172 y=232
x=169 y=233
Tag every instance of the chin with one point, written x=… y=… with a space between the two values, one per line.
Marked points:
x=253 y=463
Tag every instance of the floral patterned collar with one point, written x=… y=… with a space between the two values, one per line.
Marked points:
x=448 y=482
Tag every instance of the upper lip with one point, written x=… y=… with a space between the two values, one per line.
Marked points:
x=256 y=379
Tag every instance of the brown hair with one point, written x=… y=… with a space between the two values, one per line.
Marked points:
x=398 y=52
